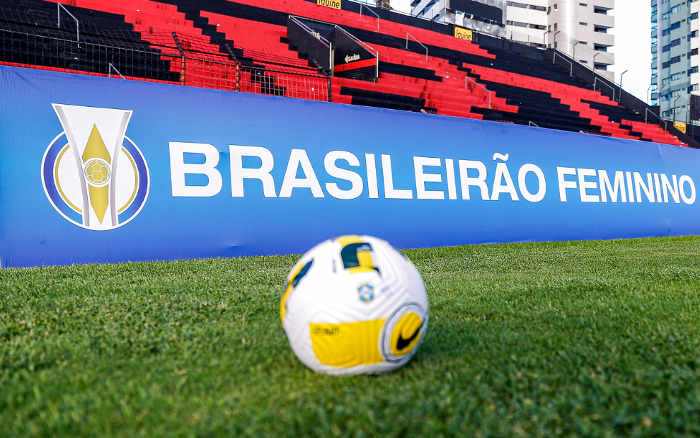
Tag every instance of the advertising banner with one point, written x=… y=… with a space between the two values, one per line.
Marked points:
x=99 y=170
x=335 y=4
x=462 y=33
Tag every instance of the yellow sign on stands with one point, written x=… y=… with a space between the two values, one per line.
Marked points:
x=680 y=126
x=335 y=4
x=462 y=33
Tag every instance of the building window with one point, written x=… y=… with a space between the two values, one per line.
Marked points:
x=672 y=27
x=673 y=43
x=671 y=61
x=527 y=25
x=526 y=6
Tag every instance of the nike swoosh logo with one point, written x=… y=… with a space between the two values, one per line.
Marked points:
x=402 y=343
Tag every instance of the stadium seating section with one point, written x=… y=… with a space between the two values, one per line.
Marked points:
x=422 y=67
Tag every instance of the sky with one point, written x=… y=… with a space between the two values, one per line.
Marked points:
x=632 y=43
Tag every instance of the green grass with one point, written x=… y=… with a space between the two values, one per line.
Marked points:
x=573 y=338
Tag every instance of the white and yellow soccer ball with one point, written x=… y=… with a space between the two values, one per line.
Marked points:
x=354 y=305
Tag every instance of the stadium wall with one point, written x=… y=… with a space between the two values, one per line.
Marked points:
x=105 y=170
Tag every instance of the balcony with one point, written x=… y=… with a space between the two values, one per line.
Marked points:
x=604 y=58
x=605 y=39
x=603 y=20
x=605 y=4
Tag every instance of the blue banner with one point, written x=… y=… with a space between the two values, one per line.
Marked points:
x=104 y=170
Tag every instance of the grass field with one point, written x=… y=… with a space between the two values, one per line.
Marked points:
x=584 y=339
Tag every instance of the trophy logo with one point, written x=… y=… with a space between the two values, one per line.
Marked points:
x=93 y=174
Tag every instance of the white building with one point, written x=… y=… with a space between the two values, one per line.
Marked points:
x=527 y=21
x=579 y=28
x=582 y=30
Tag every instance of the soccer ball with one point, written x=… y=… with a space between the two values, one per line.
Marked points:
x=354 y=305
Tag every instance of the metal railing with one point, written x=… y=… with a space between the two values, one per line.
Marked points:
x=236 y=76
x=113 y=68
x=596 y=76
x=58 y=18
x=148 y=64
x=626 y=99
x=597 y=80
x=571 y=64
x=363 y=44
x=363 y=6
x=488 y=92
x=416 y=40
x=305 y=32
x=310 y=31
x=647 y=111
x=281 y=83
x=63 y=54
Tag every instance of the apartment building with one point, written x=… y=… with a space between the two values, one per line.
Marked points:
x=583 y=30
x=527 y=21
x=674 y=57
